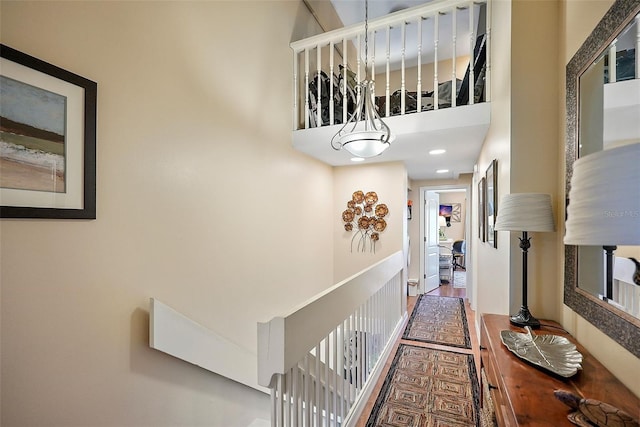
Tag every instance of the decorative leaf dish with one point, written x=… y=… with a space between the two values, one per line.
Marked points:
x=551 y=352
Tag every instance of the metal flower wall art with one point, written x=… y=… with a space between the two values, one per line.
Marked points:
x=365 y=216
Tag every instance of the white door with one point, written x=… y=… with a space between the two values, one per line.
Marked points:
x=431 y=240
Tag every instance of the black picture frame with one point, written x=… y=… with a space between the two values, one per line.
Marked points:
x=77 y=200
x=481 y=210
x=491 y=205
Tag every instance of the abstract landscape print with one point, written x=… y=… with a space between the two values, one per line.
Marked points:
x=32 y=137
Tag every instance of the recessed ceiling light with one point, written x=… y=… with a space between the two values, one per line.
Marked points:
x=438 y=151
x=357 y=159
x=442 y=171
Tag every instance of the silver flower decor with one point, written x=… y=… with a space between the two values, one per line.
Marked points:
x=365 y=216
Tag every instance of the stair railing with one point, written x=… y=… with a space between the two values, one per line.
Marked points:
x=322 y=359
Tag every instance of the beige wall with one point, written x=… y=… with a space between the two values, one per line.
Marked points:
x=202 y=203
x=491 y=273
x=389 y=181
x=523 y=140
x=577 y=20
x=534 y=142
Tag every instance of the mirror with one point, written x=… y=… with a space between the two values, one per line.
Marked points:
x=609 y=107
x=593 y=124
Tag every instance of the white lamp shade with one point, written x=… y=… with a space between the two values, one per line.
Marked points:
x=442 y=222
x=604 y=200
x=525 y=212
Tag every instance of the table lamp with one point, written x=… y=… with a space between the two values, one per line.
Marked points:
x=604 y=203
x=526 y=212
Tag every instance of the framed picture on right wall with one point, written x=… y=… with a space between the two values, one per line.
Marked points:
x=481 y=210
x=491 y=202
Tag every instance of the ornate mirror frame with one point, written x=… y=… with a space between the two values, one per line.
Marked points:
x=621 y=327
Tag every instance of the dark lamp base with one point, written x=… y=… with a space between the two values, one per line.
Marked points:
x=524 y=318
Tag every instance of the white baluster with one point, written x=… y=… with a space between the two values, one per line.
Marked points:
x=295 y=91
x=612 y=62
x=360 y=347
x=319 y=86
x=373 y=63
x=403 y=35
x=344 y=368
x=419 y=85
x=318 y=395
x=637 y=19
x=336 y=378
x=370 y=341
x=436 y=36
x=358 y=58
x=472 y=43
x=379 y=320
x=327 y=371
x=295 y=394
x=487 y=41
x=331 y=106
x=307 y=390
x=352 y=356
x=454 y=33
x=388 y=85
x=288 y=407
x=344 y=80
x=306 y=88
x=279 y=402
x=274 y=406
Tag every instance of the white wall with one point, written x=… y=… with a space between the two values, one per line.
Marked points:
x=202 y=203
x=389 y=181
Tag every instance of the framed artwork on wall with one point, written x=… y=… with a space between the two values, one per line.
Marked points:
x=47 y=140
x=491 y=204
x=481 y=211
x=453 y=211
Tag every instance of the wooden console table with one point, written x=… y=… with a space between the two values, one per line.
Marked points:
x=522 y=394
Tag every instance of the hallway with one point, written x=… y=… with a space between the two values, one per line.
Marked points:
x=443 y=290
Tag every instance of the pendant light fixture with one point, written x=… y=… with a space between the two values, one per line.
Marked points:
x=364 y=134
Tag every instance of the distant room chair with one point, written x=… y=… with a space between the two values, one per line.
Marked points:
x=458 y=250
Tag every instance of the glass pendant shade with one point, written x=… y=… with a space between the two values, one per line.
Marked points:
x=364 y=134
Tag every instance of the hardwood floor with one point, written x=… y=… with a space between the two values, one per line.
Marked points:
x=442 y=290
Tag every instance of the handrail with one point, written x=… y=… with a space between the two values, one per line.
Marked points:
x=285 y=340
x=321 y=360
x=382 y=22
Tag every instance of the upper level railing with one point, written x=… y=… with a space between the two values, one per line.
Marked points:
x=320 y=360
x=432 y=56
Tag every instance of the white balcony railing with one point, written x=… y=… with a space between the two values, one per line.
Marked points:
x=426 y=57
x=321 y=360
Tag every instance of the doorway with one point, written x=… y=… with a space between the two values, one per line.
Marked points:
x=437 y=235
